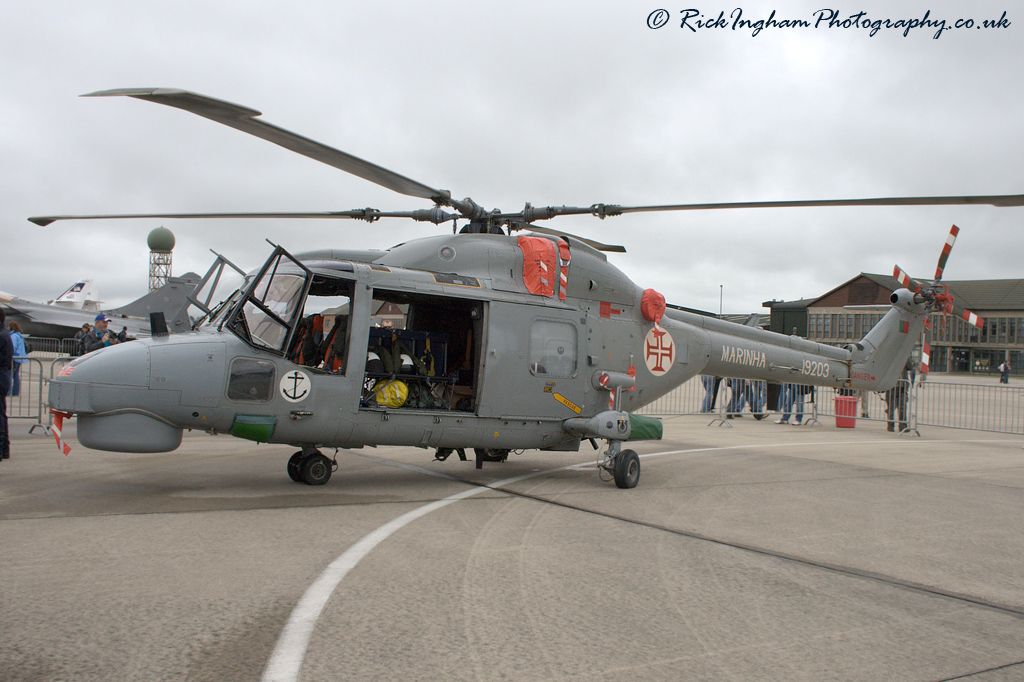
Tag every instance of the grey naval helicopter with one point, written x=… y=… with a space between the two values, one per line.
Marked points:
x=511 y=341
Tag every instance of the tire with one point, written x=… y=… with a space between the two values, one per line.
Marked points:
x=316 y=469
x=491 y=454
x=295 y=467
x=627 y=469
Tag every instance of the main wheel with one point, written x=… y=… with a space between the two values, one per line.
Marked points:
x=491 y=454
x=627 y=469
x=316 y=469
x=295 y=467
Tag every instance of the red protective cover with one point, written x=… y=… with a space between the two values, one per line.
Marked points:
x=540 y=265
x=652 y=305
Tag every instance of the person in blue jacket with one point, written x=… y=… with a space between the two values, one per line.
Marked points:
x=18 y=341
x=6 y=357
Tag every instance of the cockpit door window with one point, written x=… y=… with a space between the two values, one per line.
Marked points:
x=267 y=314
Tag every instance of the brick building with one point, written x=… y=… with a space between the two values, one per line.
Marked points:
x=956 y=346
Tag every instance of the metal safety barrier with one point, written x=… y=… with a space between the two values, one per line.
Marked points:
x=976 y=407
x=30 y=399
x=967 y=406
x=906 y=407
x=51 y=346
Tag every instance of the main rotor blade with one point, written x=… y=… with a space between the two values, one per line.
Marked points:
x=433 y=215
x=244 y=119
x=1001 y=200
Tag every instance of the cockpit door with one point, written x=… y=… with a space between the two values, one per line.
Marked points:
x=265 y=316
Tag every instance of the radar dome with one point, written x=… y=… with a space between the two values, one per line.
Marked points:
x=161 y=240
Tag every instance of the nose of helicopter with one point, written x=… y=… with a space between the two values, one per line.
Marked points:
x=109 y=391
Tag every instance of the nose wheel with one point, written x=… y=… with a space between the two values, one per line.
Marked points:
x=311 y=468
x=626 y=469
x=623 y=465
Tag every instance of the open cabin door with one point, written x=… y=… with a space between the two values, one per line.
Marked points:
x=423 y=352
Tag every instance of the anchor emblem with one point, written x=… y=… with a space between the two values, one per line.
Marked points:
x=295 y=386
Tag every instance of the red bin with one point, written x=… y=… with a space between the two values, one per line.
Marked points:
x=846 y=411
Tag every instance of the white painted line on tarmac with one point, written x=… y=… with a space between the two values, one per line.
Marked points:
x=765 y=446
x=290 y=651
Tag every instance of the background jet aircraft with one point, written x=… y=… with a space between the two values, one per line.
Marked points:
x=60 y=321
x=81 y=295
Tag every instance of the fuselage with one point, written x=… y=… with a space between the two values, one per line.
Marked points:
x=497 y=344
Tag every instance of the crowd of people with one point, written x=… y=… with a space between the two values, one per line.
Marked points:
x=791 y=399
x=744 y=393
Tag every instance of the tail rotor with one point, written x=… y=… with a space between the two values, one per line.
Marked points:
x=938 y=297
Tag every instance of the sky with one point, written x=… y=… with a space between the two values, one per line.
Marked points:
x=553 y=103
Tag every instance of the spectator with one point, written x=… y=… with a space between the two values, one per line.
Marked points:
x=18 y=341
x=79 y=340
x=99 y=336
x=6 y=361
x=896 y=398
x=710 y=392
x=791 y=401
x=737 y=399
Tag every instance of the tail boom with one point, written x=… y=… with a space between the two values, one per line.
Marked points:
x=737 y=351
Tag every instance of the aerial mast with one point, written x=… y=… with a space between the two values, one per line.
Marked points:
x=161 y=243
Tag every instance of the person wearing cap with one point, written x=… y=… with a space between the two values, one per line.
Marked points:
x=99 y=336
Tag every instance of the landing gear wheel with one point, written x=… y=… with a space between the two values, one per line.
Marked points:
x=316 y=469
x=295 y=467
x=627 y=469
x=491 y=454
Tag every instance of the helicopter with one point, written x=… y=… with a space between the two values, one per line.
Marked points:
x=515 y=336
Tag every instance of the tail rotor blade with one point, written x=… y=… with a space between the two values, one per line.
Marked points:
x=926 y=349
x=946 y=248
x=905 y=281
x=970 y=317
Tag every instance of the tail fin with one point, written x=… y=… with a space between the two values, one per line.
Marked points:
x=168 y=299
x=880 y=356
x=81 y=296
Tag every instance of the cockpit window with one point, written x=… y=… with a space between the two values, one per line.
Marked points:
x=219 y=313
x=271 y=305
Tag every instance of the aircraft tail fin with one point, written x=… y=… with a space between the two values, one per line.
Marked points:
x=82 y=295
x=879 y=358
x=168 y=299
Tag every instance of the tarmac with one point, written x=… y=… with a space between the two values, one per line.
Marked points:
x=759 y=552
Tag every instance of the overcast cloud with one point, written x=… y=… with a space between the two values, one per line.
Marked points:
x=507 y=102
